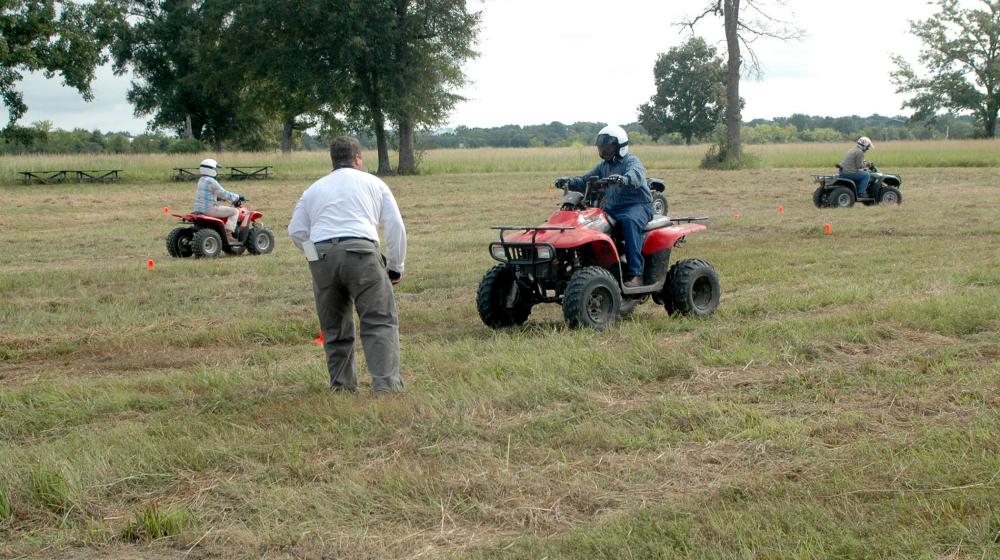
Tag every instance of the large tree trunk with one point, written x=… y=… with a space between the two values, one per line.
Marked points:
x=216 y=144
x=992 y=110
x=287 y=128
x=733 y=117
x=382 y=144
x=188 y=132
x=407 y=161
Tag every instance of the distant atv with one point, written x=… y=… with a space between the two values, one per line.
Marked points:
x=839 y=192
x=572 y=260
x=206 y=236
x=659 y=190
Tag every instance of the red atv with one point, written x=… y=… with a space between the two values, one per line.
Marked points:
x=572 y=260
x=206 y=236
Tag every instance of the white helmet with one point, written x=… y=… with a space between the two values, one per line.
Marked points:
x=865 y=143
x=612 y=142
x=209 y=167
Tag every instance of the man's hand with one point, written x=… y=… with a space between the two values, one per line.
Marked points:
x=561 y=182
x=616 y=179
x=394 y=276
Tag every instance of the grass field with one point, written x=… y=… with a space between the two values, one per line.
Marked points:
x=844 y=401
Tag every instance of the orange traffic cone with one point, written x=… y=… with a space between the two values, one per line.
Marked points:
x=827 y=229
x=319 y=339
x=150 y=264
x=166 y=210
x=781 y=209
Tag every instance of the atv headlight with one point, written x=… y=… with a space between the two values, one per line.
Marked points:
x=544 y=252
x=497 y=252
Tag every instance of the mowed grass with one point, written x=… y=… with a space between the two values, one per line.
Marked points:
x=843 y=401
x=556 y=161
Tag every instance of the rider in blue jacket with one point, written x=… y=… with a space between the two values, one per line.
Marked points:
x=630 y=202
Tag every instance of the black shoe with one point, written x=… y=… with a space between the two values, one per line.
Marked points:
x=635 y=282
x=338 y=388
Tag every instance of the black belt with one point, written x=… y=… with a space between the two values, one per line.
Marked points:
x=341 y=239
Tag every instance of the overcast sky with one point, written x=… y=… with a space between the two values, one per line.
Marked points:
x=592 y=60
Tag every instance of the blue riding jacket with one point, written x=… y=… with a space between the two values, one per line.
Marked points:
x=634 y=191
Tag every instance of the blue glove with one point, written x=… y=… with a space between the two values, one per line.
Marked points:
x=620 y=179
x=561 y=182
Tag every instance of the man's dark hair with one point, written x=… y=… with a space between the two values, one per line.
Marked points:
x=343 y=150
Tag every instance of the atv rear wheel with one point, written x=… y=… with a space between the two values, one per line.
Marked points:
x=692 y=288
x=593 y=299
x=500 y=300
x=842 y=197
x=659 y=204
x=818 y=198
x=260 y=241
x=891 y=195
x=206 y=243
x=179 y=242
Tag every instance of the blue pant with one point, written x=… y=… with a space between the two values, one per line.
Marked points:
x=631 y=221
x=860 y=179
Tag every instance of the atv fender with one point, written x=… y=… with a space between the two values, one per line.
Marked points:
x=666 y=238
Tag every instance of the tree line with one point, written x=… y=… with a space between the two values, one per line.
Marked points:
x=43 y=138
x=231 y=72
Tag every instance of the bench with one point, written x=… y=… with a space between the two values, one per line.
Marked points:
x=71 y=176
x=236 y=173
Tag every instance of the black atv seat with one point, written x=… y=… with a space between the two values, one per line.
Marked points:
x=657 y=222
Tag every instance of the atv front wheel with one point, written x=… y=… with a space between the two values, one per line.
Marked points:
x=659 y=204
x=500 y=300
x=179 y=242
x=206 y=243
x=692 y=288
x=818 y=198
x=841 y=197
x=593 y=299
x=891 y=195
x=260 y=241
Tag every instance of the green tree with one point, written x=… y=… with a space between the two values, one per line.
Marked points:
x=741 y=31
x=690 y=92
x=182 y=78
x=55 y=37
x=296 y=71
x=431 y=41
x=962 y=55
x=405 y=57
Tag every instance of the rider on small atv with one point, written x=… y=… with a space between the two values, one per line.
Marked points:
x=630 y=202
x=209 y=192
x=853 y=167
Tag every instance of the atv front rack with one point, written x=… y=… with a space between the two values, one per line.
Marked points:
x=526 y=252
x=536 y=229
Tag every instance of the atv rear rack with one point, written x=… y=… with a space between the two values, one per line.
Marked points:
x=689 y=219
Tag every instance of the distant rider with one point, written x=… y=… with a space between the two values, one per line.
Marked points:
x=629 y=201
x=853 y=167
x=209 y=192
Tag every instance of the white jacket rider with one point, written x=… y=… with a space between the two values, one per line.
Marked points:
x=209 y=192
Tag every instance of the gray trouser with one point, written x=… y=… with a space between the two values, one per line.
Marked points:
x=350 y=274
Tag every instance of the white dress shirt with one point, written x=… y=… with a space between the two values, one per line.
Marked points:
x=350 y=203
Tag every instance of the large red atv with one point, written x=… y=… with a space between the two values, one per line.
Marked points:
x=206 y=236
x=572 y=260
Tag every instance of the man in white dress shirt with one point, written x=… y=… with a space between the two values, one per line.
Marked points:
x=340 y=215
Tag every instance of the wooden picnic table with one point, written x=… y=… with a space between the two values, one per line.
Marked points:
x=236 y=173
x=71 y=176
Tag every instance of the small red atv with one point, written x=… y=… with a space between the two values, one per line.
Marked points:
x=573 y=260
x=206 y=236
